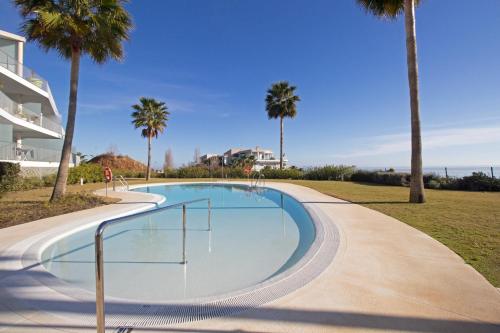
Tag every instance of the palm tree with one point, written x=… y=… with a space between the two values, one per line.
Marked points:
x=152 y=116
x=280 y=103
x=244 y=160
x=392 y=9
x=74 y=28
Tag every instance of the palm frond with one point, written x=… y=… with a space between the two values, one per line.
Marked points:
x=281 y=100
x=389 y=9
x=95 y=27
x=150 y=115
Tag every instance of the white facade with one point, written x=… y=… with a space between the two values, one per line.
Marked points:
x=30 y=124
x=262 y=157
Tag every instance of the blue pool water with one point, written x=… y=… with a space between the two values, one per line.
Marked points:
x=255 y=235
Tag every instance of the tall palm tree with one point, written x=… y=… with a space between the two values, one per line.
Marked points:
x=392 y=9
x=75 y=28
x=152 y=116
x=280 y=103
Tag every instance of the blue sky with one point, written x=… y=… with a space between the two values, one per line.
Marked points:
x=212 y=61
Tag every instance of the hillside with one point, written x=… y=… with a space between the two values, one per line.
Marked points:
x=122 y=162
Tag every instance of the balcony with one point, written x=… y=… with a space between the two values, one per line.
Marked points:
x=26 y=73
x=28 y=119
x=13 y=152
x=22 y=84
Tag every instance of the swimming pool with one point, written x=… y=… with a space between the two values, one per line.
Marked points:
x=255 y=235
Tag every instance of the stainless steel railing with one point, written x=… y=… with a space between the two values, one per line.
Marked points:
x=99 y=255
x=29 y=112
x=14 y=66
x=10 y=151
x=122 y=181
x=258 y=178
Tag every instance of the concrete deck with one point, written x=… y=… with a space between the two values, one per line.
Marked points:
x=386 y=276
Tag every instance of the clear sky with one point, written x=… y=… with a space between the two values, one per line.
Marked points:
x=212 y=61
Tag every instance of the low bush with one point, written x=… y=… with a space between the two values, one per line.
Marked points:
x=10 y=178
x=93 y=173
x=232 y=172
x=90 y=172
x=132 y=174
x=329 y=172
x=381 y=177
x=290 y=173
x=193 y=172
x=478 y=181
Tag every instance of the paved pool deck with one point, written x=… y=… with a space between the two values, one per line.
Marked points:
x=385 y=276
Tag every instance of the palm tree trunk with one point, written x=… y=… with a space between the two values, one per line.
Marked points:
x=417 y=194
x=62 y=172
x=149 y=158
x=281 y=143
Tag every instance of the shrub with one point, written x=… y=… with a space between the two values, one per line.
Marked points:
x=9 y=170
x=90 y=172
x=381 y=177
x=49 y=180
x=131 y=173
x=329 y=172
x=9 y=176
x=433 y=184
x=193 y=172
x=290 y=173
x=479 y=181
x=170 y=173
x=233 y=172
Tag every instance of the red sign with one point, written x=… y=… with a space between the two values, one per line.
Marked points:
x=108 y=175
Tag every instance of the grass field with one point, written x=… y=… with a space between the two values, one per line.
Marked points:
x=466 y=222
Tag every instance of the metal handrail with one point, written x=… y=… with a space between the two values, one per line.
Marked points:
x=99 y=258
x=29 y=112
x=261 y=178
x=18 y=68
x=122 y=181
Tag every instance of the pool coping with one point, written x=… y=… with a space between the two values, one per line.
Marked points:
x=163 y=314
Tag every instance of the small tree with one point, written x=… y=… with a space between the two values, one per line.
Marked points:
x=197 y=156
x=169 y=160
x=281 y=103
x=152 y=116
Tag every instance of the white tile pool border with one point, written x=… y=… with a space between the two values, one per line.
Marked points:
x=121 y=312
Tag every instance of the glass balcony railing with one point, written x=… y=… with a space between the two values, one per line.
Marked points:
x=13 y=152
x=28 y=112
x=25 y=72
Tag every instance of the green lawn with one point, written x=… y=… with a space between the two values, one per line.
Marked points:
x=466 y=222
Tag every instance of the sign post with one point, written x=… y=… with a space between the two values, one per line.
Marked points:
x=108 y=176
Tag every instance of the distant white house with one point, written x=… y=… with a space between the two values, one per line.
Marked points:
x=263 y=157
x=204 y=159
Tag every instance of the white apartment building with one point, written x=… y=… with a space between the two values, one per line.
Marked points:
x=30 y=124
x=262 y=157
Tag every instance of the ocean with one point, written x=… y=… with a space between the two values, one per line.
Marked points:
x=452 y=171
